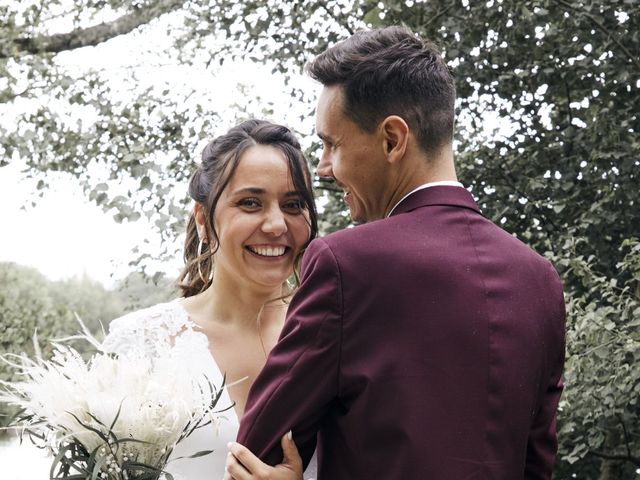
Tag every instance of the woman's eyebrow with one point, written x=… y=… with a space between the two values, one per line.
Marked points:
x=251 y=190
x=260 y=191
x=294 y=193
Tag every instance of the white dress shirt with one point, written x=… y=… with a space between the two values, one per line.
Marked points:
x=448 y=183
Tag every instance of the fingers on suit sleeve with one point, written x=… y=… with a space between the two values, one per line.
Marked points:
x=241 y=456
x=291 y=456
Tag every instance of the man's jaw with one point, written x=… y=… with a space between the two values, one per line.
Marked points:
x=348 y=198
x=345 y=191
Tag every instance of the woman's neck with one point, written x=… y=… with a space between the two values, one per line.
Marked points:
x=227 y=302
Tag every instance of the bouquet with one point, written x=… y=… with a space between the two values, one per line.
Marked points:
x=113 y=417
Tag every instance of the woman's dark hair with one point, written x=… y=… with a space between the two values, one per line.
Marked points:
x=390 y=71
x=220 y=159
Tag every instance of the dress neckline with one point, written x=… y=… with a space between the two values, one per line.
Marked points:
x=194 y=327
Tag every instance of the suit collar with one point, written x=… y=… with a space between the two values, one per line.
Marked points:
x=437 y=195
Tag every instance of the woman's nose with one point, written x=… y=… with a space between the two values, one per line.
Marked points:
x=274 y=222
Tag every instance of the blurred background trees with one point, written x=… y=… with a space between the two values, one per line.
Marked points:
x=547 y=142
x=30 y=303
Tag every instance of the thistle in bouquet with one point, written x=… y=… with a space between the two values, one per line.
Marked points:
x=111 y=417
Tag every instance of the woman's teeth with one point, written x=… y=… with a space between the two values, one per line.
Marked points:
x=268 y=251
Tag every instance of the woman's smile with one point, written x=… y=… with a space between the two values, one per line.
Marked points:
x=269 y=252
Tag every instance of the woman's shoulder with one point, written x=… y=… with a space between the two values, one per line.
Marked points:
x=170 y=315
x=156 y=325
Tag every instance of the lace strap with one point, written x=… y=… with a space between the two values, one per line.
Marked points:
x=148 y=330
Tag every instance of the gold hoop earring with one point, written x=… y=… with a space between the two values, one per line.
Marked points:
x=200 y=245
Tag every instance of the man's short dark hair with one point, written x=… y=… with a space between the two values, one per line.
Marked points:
x=391 y=71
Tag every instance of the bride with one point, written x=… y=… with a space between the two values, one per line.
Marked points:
x=253 y=216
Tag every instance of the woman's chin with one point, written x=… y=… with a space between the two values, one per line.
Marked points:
x=271 y=282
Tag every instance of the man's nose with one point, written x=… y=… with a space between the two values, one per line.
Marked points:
x=274 y=222
x=324 y=169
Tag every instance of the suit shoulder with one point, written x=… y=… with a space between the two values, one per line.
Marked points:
x=357 y=234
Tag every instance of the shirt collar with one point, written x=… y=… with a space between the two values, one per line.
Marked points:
x=442 y=183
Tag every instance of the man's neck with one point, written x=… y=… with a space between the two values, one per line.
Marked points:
x=421 y=171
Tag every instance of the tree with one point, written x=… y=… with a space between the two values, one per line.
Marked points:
x=31 y=304
x=26 y=308
x=547 y=140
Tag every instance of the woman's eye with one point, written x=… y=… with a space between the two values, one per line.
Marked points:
x=296 y=205
x=248 y=203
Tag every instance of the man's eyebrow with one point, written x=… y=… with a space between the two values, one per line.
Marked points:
x=323 y=136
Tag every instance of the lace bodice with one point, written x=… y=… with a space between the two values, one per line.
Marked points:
x=166 y=327
x=162 y=326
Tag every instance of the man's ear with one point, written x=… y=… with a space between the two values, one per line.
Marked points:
x=395 y=132
x=199 y=216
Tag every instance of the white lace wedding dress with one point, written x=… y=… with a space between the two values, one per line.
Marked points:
x=168 y=324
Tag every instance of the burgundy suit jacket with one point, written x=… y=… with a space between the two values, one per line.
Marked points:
x=428 y=345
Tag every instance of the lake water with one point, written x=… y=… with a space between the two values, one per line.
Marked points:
x=23 y=462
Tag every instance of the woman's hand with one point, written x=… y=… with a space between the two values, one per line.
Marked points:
x=244 y=465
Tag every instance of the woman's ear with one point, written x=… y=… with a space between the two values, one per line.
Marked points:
x=395 y=133
x=200 y=218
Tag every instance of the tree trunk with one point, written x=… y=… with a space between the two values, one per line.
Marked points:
x=90 y=36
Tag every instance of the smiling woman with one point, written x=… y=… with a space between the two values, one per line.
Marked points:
x=262 y=219
x=253 y=216
x=257 y=168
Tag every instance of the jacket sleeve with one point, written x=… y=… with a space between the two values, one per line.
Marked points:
x=300 y=379
x=543 y=443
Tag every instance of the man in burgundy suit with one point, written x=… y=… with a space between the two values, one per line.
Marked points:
x=426 y=343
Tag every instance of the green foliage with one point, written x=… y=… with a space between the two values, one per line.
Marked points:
x=547 y=141
x=137 y=291
x=26 y=307
x=600 y=409
x=30 y=303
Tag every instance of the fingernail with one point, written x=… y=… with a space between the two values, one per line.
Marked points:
x=290 y=435
x=229 y=444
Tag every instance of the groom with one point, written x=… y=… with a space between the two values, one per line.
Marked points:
x=426 y=343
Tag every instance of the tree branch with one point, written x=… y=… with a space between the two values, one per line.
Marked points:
x=626 y=434
x=90 y=36
x=328 y=188
x=345 y=22
x=603 y=29
x=6 y=97
x=439 y=14
x=624 y=458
